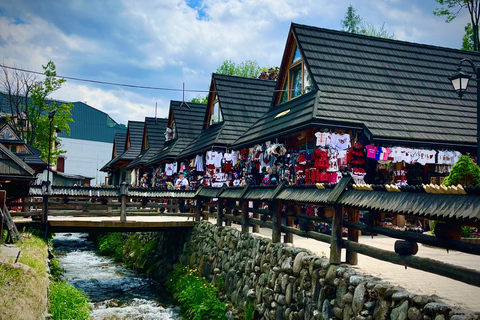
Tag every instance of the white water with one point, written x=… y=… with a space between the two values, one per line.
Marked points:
x=115 y=291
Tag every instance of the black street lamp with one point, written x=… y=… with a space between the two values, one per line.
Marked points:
x=50 y=117
x=460 y=81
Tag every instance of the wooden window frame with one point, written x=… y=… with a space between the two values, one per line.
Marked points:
x=287 y=79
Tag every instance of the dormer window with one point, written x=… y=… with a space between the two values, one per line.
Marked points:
x=170 y=133
x=216 y=112
x=297 y=81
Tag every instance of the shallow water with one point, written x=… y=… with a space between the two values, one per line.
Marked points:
x=115 y=292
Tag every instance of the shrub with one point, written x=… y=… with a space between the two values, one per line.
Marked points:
x=464 y=172
x=111 y=244
x=196 y=296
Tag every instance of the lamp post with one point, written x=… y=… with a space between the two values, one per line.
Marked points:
x=48 y=188
x=460 y=81
x=51 y=115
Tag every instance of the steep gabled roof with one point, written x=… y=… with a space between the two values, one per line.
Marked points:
x=396 y=90
x=11 y=167
x=133 y=139
x=133 y=142
x=188 y=125
x=155 y=139
x=117 y=150
x=242 y=102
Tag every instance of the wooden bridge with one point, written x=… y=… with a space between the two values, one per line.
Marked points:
x=77 y=209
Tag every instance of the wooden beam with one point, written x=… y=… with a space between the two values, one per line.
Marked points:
x=462 y=274
x=308 y=234
x=256 y=205
x=219 y=212
x=277 y=221
x=199 y=209
x=3 y=200
x=416 y=237
x=336 y=240
x=353 y=216
x=245 y=218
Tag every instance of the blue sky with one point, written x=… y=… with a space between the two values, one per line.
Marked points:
x=168 y=42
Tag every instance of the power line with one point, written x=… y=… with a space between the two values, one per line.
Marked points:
x=142 y=87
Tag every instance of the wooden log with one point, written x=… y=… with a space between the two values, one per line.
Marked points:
x=199 y=209
x=420 y=238
x=289 y=236
x=229 y=213
x=231 y=217
x=336 y=241
x=258 y=222
x=462 y=274
x=45 y=210
x=219 y=212
x=245 y=218
x=308 y=234
x=3 y=200
x=353 y=216
x=277 y=221
x=405 y=248
x=256 y=205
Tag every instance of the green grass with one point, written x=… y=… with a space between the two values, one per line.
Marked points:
x=67 y=303
x=196 y=296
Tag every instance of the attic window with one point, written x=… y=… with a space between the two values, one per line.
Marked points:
x=296 y=79
x=216 y=112
x=170 y=133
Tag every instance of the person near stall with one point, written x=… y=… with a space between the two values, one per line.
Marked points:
x=181 y=184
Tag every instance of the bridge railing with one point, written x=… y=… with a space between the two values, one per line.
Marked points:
x=279 y=208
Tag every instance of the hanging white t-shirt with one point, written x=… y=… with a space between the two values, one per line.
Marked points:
x=330 y=139
x=321 y=137
x=342 y=142
x=199 y=163
x=169 y=169
x=210 y=157
x=218 y=160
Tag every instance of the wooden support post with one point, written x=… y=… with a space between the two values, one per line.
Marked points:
x=245 y=218
x=289 y=236
x=45 y=210
x=198 y=212
x=3 y=199
x=229 y=211
x=219 y=212
x=256 y=205
x=277 y=221
x=400 y=220
x=123 y=208
x=109 y=201
x=336 y=244
x=353 y=216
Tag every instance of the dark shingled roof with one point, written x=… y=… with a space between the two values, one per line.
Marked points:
x=398 y=91
x=242 y=102
x=135 y=132
x=188 y=124
x=12 y=167
x=154 y=133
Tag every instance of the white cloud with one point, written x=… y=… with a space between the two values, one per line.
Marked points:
x=120 y=104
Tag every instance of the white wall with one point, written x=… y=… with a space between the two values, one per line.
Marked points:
x=86 y=158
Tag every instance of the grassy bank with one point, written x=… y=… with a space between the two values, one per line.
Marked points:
x=24 y=286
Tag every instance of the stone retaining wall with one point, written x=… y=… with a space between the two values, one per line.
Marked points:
x=283 y=282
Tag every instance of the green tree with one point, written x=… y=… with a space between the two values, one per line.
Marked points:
x=353 y=23
x=451 y=8
x=247 y=68
x=28 y=105
x=38 y=114
x=468 y=38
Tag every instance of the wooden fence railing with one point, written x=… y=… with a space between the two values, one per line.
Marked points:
x=271 y=207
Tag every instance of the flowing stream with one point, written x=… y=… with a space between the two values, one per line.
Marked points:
x=115 y=292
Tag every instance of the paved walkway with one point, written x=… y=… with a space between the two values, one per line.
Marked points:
x=452 y=292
